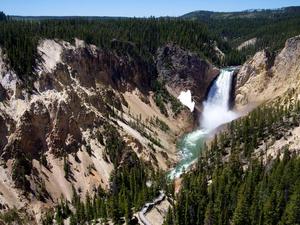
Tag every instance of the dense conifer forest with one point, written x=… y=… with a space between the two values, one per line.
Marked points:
x=20 y=36
x=271 y=27
x=132 y=185
x=258 y=195
x=231 y=184
x=244 y=189
x=141 y=37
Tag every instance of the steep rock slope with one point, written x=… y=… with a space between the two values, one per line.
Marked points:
x=265 y=77
x=263 y=143
x=181 y=70
x=272 y=81
x=54 y=136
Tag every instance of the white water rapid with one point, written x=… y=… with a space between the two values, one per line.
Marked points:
x=216 y=111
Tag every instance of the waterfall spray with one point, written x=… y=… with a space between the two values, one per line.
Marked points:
x=216 y=111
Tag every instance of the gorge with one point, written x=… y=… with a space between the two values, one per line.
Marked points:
x=216 y=111
x=150 y=120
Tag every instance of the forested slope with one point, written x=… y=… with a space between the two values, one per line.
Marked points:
x=271 y=28
x=133 y=36
x=249 y=172
x=238 y=181
x=76 y=117
x=85 y=108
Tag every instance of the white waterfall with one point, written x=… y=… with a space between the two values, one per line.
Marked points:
x=216 y=109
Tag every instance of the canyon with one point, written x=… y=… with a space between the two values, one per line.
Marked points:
x=90 y=111
x=80 y=91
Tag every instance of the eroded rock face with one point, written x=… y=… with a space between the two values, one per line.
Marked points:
x=252 y=68
x=72 y=96
x=2 y=93
x=10 y=84
x=265 y=76
x=30 y=134
x=122 y=72
x=3 y=133
x=72 y=91
x=79 y=92
x=287 y=62
x=182 y=70
x=252 y=77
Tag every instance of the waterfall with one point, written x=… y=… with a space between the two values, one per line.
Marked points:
x=216 y=111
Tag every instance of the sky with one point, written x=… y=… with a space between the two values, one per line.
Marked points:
x=130 y=8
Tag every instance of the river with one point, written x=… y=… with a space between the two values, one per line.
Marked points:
x=216 y=111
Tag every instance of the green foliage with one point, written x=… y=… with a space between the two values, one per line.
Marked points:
x=11 y=217
x=159 y=101
x=292 y=210
x=113 y=100
x=163 y=97
x=48 y=219
x=135 y=37
x=142 y=129
x=265 y=123
x=62 y=212
x=259 y=195
x=270 y=30
x=142 y=37
x=162 y=125
x=219 y=192
x=114 y=144
x=20 y=44
x=128 y=193
x=176 y=105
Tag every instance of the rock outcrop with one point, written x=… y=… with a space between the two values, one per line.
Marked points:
x=182 y=70
x=266 y=76
x=247 y=44
x=79 y=94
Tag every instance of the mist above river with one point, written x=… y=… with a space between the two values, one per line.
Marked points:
x=216 y=111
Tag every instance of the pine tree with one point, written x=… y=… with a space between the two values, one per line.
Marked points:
x=209 y=215
x=241 y=216
x=169 y=219
x=292 y=211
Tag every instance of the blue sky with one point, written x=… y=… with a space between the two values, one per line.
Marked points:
x=139 y=8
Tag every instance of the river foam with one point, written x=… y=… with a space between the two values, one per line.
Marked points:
x=216 y=111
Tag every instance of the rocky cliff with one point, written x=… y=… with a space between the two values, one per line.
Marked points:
x=181 y=70
x=80 y=97
x=267 y=76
